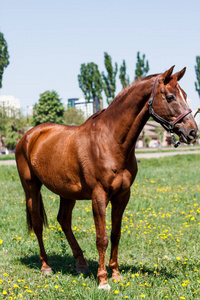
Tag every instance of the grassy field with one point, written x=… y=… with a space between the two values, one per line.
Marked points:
x=10 y=156
x=159 y=248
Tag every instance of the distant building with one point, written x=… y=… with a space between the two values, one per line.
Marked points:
x=154 y=131
x=83 y=105
x=10 y=103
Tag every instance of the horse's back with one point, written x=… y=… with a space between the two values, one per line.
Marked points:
x=42 y=133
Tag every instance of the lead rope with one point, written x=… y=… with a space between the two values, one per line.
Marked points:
x=198 y=110
x=176 y=143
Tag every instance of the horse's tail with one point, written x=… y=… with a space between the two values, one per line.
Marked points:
x=43 y=216
x=30 y=182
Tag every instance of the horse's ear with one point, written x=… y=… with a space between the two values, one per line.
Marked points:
x=167 y=74
x=180 y=74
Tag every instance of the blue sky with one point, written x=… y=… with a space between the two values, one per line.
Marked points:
x=49 y=40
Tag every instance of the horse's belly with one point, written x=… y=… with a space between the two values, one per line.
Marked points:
x=66 y=184
x=68 y=190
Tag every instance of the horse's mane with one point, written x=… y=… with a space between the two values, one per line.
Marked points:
x=129 y=88
x=96 y=114
x=121 y=94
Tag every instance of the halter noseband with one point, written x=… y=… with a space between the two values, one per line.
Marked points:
x=169 y=126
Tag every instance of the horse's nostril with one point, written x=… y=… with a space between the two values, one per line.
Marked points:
x=192 y=133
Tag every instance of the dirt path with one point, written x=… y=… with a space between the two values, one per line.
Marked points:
x=162 y=154
x=7 y=162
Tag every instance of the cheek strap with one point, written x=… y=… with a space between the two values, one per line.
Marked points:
x=165 y=124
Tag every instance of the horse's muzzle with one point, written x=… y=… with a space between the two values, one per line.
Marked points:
x=188 y=137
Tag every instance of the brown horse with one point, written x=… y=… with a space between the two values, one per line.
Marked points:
x=97 y=161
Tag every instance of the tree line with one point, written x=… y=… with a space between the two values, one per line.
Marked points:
x=93 y=83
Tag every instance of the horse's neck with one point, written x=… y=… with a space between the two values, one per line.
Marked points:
x=129 y=114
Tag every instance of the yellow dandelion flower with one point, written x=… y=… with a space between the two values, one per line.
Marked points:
x=1 y=241
x=116 y=292
x=4 y=292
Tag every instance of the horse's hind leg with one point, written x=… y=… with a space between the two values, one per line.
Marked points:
x=65 y=220
x=36 y=216
x=35 y=219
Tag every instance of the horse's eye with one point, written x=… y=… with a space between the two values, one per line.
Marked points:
x=170 y=98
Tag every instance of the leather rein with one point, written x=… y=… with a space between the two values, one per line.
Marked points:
x=168 y=126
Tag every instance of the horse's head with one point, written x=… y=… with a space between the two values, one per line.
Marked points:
x=168 y=106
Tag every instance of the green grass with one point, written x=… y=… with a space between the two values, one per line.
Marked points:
x=158 y=252
x=7 y=156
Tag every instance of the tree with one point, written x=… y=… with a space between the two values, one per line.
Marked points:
x=13 y=126
x=49 y=109
x=4 y=56
x=110 y=79
x=11 y=137
x=147 y=141
x=4 y=121
x=73 y=116
x=124 y=79
x=142 y=67
x=91 y=84
x=197 y=71
x=159 y=133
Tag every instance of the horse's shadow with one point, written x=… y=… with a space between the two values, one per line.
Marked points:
x=60 y=264
x=66 y=265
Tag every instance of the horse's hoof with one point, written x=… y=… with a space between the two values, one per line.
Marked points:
x=47 y=271
x=117 y=277
x=82 y=269
x=104 y=287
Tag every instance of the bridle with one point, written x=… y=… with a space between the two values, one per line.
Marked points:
x=168 y=126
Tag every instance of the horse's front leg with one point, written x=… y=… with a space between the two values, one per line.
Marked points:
x=99 y=202
x=119 y=203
